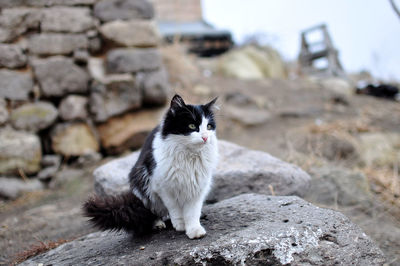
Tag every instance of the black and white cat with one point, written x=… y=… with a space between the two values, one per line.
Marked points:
x=171 y=177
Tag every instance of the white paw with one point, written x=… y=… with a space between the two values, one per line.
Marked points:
x=179 y=225
x=159 y=224
x=196 y=232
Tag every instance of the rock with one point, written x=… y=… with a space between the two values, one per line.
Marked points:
x=81 y=57
x=133 y=60
x=338 y=87
x=50 y=164
x=139 y=33
x=73 y=107
x=252 y=62
x=240 y=170
x=34 y=116
x=154 y=86
x=247 y=116
x=15 y=85
x=59 y=75
x=16 y=21
x=11 y=188
x=3 y=111
x=338 y=187
x=115 y=98
x=97 y=72
x=128 y=131
x=379 y=149
x=73 y=139
x=12 y=56
x=19 y=151
x=109 y=10
x=44 y=3
x=330 y=146
x=249 y=229
x=56 y=43
x=67 y=19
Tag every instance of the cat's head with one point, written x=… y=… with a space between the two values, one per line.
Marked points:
x=191 y=124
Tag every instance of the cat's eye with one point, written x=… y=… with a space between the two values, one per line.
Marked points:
x=209 y=127
x=192 y=126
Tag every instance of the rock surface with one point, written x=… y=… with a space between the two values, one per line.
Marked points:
x=118 y=96
x=133 y=60
x=73 y=107
x=34 y=116
x=108 y=10
x=57 y=43
x=12 y=56
x=59 y=75
x=15 y=85
x=16 y=21
x=66 y=19
x=19 y=151
x=11 y=188
x=128 y=131
x=3 y=111
x=44 y=3
x=154 y=86
x=246 y=230
x=139 y=33
x=338 y=187
x=73 y=139
x=239 y=171
x=252 y=62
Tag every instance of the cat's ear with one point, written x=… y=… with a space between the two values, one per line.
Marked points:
x=211 y=105
x=176 y=103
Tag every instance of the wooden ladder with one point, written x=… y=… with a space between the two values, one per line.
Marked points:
x=322 y=50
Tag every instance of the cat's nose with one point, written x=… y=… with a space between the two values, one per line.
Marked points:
x=204 y=139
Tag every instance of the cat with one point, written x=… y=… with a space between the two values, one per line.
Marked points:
x=171 y=177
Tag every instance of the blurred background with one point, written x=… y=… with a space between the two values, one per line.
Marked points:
x=314 y=83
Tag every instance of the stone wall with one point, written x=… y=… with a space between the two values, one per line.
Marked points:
x=73 y=74
x=178 y=10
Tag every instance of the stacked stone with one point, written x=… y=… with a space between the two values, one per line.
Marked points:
x=71 y=73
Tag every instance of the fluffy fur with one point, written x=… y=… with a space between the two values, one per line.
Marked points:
x=171 y=177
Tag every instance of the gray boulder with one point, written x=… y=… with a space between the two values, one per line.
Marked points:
x=140 y=33
x=154 y=86
x=239 y=171
x=74 y=139
x=50 y=165
x=44 y=3
x=59 y=75
x=12 y=56
x=133 y=60
x=34 y=116
x=15 y=85
x=73 y=107
x=114 y=98
x=19 y=151
x=67 y=19
x=108 y=10
x=16 y=21
x=245 y=230
x=335 y=186
x=3 y=111
x=56 y=43
x=11 y=188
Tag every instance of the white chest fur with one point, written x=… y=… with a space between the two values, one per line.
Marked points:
x=184 y=171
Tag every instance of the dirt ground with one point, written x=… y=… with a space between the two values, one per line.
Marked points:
x=283 y=114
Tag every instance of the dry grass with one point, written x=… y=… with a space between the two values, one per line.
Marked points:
x=37 y=249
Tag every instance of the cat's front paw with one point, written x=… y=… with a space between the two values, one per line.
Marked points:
x=196 y=232
x=159 y=225
x=179 y=225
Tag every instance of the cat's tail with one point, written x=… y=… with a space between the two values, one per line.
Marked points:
x=123 y=212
